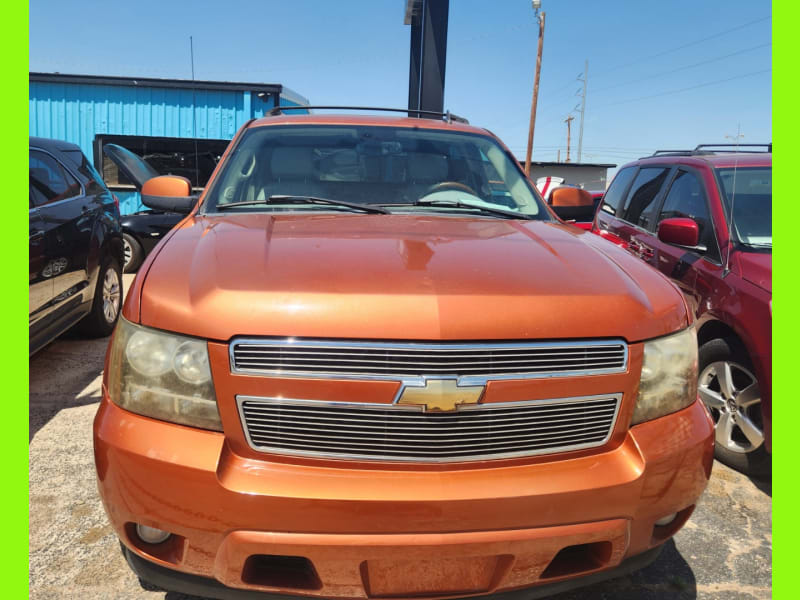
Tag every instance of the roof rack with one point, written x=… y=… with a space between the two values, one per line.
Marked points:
x=735 y=147
x=678 y=153
x=445 y=116
x=706 y=149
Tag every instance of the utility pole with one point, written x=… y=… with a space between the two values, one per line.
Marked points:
x=558 y=156
x=583 y=107
x=540 y=19
x=568 y=121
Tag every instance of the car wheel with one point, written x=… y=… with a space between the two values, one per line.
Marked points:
x=134 y=253
x=107 y=301
x=730 y=391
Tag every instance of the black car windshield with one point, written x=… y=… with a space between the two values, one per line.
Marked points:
x=749 y=191
x=394 y=167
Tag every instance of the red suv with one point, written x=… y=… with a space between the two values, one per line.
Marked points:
x=704 y=218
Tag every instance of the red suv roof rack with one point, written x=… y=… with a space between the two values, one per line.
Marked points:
x=446 y=116
x=705 y=149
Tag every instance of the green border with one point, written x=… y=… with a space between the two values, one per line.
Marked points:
x=785 y=284
x=14 y=552
x=14 y=441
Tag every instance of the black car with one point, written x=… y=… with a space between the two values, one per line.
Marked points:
x=75 y=245
x=142 y=230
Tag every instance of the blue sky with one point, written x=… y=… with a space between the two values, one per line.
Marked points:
x=661 y=74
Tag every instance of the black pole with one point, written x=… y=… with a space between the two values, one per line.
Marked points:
x=428 y=55
x=434 y=54
x=414 y=59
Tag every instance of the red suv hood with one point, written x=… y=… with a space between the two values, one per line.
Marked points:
x=400 y=277
x=756 y=268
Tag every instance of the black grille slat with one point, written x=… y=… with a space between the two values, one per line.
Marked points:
x=389 y=432
x=417 y=415
x=371 y=359
x=515 y=422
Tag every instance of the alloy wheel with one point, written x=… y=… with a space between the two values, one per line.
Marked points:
x=112 y=295
x=731 y=393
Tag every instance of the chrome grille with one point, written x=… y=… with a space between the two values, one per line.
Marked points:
x=400 y=360
x=391 y=432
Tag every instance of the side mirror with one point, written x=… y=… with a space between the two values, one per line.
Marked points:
x=679 y=231
x=170 y=193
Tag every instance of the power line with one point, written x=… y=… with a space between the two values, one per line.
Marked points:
x=693 y=87
x=688 y=44
x=683 y=68
x=548 y=108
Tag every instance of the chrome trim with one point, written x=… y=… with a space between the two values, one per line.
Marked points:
x=419 y=380
x=241 y=399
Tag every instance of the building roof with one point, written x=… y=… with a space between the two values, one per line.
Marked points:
x=232 y=86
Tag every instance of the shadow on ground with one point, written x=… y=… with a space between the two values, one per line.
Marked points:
x=65 y=374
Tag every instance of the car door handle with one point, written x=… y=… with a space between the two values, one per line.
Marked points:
x=639 y=250
x=36 y=234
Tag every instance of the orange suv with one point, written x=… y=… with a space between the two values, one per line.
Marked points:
x=352 y=372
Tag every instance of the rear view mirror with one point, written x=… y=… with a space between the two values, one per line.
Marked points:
x=169 y=193
x=679 y=231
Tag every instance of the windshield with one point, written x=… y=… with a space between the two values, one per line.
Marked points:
x=389 y=166
x=749 y=190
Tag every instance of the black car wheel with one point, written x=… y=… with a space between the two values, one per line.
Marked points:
x=730 y=391
x=134 y=253
x=107 y=301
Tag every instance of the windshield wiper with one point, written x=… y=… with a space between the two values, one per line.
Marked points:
x=489 y=210
x=284 y=199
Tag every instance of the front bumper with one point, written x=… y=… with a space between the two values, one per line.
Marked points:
x=395 y=531
x=207 y=587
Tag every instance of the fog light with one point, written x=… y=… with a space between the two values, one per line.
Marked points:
x=666 y=520
x=151 y=535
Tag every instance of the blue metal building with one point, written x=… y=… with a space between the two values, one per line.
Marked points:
x=153 y=117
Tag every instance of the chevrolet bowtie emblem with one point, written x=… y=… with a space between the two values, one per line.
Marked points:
x=440 y=395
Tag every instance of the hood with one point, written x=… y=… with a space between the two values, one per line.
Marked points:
x=756 y=267
x=400 y=277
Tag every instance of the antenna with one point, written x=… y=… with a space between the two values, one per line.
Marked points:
x=194 y=116
x=726 y=268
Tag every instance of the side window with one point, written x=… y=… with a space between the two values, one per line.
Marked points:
x=687 y=199
x=92 y=179
x=49 y=182
x=612 y=199
x=640 y=206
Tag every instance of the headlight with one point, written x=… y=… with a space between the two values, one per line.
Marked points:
x=163 y=376
x=669 y=376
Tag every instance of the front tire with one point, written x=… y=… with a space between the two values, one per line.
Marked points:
x=133 y=251
x=107 y=302
x=730 y=391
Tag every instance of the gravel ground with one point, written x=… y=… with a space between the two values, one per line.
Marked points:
x=724 y=552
